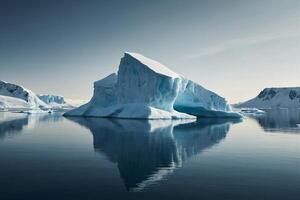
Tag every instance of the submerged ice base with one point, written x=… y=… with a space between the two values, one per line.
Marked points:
x=146 y=89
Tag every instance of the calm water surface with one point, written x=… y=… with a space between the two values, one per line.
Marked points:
x=52 y=157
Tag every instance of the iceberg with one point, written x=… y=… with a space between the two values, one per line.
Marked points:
x=52 y=99
x=198 y=101
x=252 y=111
x=146 y=89
x=56 y=102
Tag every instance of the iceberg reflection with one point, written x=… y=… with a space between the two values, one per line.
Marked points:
x=12 y=124
x=146 y=151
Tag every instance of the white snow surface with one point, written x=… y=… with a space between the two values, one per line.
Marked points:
x=152 y=64
x=144 y=88
x=14 y=103
x=269 y=98
x=21 y=95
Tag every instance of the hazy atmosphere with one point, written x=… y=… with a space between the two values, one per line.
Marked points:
x=149 y=99
x=235 y=48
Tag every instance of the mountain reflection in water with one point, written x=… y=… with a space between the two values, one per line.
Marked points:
x=12 y=124
x=146 y=151
x=280 y=120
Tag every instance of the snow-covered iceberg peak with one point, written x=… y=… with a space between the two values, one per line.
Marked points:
x=147 y=82
x=144 y=88
x=151 y=64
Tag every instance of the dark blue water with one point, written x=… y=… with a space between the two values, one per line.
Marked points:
x=52 y=157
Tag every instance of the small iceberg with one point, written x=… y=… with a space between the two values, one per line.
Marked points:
x=252 y=111
x=36 y=111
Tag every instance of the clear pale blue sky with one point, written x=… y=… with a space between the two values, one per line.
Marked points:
x=233 y=47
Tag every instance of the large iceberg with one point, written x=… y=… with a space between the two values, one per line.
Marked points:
x=146 y=89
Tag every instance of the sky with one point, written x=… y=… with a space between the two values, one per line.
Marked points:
x=232 y=47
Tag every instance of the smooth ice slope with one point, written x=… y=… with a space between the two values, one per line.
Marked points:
x=20 y=93
x=144 y=88
x=285 y=97
x=12 y=103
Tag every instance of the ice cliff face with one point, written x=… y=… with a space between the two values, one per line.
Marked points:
x=56 y=102
x=59 y=102
x=15 y=96
x=144 y=88
x=50 y=99
x=198 y=101
x=286 y=97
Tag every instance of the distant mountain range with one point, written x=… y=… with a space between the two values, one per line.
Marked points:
x=14 y=96
x=283 y=97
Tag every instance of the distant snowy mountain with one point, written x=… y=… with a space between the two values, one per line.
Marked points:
x=56 y=102
x=144 y=88
x=15 y=96
x=285 y=97
x=52 y=99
